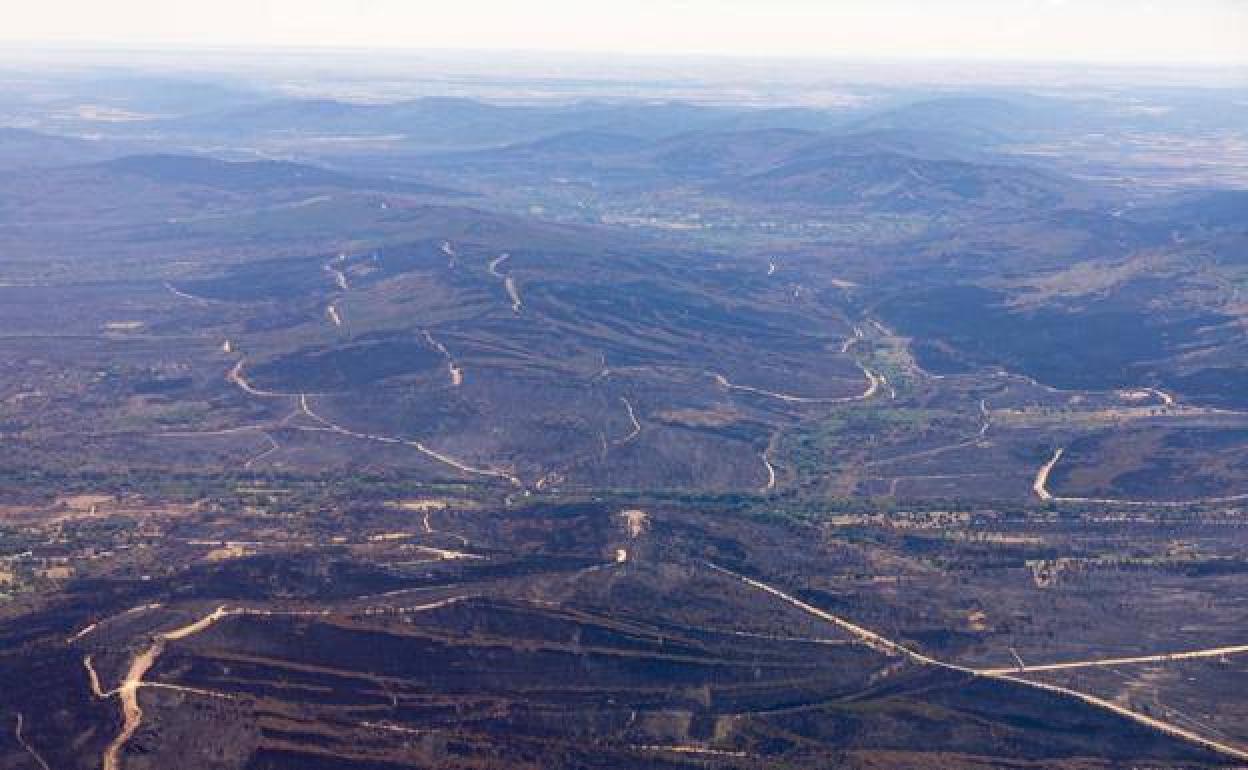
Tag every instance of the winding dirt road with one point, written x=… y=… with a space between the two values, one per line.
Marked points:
x=456 y=373
x=873 y=386
x=1166 y=657
x=235 y=376
x=1041 y=483
x=436 y=455
x=972 y=441
x=128 y=691
x=1041 y=488
x=509 y=283
x=632 y=416
x=889 y=647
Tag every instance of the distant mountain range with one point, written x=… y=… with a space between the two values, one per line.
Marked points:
x=250 y=176
x=22 y=148
x=896 y=168
x=447 y=122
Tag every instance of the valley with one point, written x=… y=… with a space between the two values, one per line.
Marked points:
x=541 y=433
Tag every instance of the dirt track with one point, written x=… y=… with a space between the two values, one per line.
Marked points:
x=873 y=386
x=1041 y=483
x=632 y=416
x=440 y=457
x=21 y=739
x=889 y=647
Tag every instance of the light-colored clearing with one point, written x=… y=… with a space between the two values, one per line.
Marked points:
x=636 y=522
x=694 y=750
x=421 y=506
x=124 y=326
x=228 y=552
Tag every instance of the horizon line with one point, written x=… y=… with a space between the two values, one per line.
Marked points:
x=207 y=47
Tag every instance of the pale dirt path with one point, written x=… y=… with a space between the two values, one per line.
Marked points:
x=852 y=340
x=1167 y=657
x=1168 y=728
x=128 y=691
x=494 y=263
x=446 y=554
x=235 y=376
x=767 y=464
x=273 y=447
x=896 y=480
x=863 y=635
x=447 y=602
x=455 y=371
x=771 y=473
x=972 y=441
x=632 y=416
x=21 y=739
x=684 y=749
x=89 y=628
x=873 y=386
x=93 y=679
x=513 y=292
x=1041 y=483
x=889 y=647
x=509 y=283
x=179 y=293
x=340 y=278
x=1167 y=399
x=440 y=457
x=341 y=283
x=94 y=626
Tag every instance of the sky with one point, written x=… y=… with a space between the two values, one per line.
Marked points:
x=1197 y=32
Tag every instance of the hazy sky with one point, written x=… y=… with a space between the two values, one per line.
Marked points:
x=1127 y=31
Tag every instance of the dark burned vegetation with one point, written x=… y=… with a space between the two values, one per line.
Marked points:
x=366 y=362
x=621 y=435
